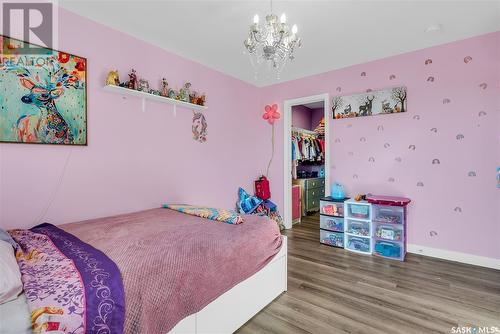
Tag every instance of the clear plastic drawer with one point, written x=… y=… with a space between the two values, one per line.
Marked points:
x=388 y=214
x=358 y=210
x=331 y=238
x=331 y=223
x=358 y=227
x=389 y=249
x=358 y=244
x=392 y=232
x=335 y=209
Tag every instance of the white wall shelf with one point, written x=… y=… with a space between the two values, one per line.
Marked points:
x=156 y=98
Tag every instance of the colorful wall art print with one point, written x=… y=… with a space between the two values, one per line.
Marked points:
x=43 y=95
x=386 y=101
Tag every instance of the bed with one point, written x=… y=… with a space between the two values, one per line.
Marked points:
x=180 y=273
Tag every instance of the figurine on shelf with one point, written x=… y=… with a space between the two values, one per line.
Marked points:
x=132 y=82
x=185 y=92
x=143 y=86
x=113 y=78
x=155 y=92
x=164 y=87
x=172 y=94
x=200 y=100
x=192 y=97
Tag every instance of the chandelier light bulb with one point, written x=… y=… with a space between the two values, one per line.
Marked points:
x=256 y=19
x=294 y=29
x=283 y=18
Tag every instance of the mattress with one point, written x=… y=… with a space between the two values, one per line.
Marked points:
x=173 y=264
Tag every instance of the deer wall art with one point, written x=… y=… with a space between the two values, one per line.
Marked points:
x=43 y=102
x=386 y=101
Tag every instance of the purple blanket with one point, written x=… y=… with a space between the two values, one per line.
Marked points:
x=70 y=286
x=175 y=264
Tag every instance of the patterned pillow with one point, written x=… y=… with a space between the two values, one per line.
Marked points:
x=221 y=215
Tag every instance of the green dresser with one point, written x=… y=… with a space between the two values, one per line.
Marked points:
x=312 y=191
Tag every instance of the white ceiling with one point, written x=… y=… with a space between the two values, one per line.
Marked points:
x=335 y=34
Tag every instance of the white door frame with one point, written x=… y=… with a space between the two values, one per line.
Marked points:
x=287 y=163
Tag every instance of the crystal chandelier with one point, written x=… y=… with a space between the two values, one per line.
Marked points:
x=272 y=43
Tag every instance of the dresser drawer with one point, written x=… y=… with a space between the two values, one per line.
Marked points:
x=315 y=183
x=312 y=204
x=316 y=193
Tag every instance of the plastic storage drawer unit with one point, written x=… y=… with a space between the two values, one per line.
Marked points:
x=331 y=238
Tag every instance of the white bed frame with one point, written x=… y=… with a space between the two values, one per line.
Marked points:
x=235 y=307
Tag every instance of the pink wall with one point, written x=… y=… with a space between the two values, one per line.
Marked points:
x=301 y=117
x=463 y=210
x=136 y=160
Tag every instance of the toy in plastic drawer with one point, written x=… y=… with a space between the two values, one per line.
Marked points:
x=358 y=244
x=335 y=209
x=331 y=238
x=389 y=249
x=358 y=227
x=388 y=214
x=358 y=210
x=334 y=224
x=390 y=232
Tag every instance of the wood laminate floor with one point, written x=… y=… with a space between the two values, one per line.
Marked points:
x=331 y=290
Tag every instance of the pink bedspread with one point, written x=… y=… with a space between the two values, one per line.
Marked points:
x=173 y=264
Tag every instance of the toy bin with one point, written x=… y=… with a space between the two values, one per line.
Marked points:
x=358 y=227
x=389 y=249
x=335 y=209
x=392 y=232
x=388 y=214
x=357 y=210
x=331 y=223
x=358 y=244
x=331 y=238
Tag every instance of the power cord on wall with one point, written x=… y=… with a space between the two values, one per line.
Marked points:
x=56 y=189
x=272 y=153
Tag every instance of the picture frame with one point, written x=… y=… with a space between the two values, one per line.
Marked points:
x=371 y=103
x=43 y=96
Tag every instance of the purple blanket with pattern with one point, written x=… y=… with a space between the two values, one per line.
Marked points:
x=174 y=264
x=70 y=286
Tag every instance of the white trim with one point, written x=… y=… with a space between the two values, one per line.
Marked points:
x=235 y=307
x=287 y=145
x=455 y=256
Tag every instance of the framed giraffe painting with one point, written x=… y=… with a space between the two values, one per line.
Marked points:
x=43 y=95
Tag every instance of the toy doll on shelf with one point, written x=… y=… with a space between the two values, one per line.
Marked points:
x=185 y=92
x=132 y=82
x=164 y=87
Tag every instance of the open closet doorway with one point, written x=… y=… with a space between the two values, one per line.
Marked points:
x=306 y=157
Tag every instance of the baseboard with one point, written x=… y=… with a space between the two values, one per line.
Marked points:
x=476 y=260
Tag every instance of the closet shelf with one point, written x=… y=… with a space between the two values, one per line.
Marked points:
x=309 y=132
x=157 y=98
